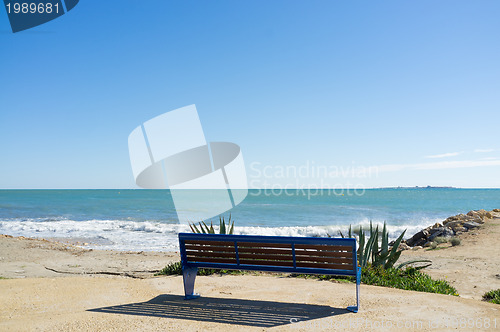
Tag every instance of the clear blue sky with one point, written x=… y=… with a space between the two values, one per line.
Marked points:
x=409 y=87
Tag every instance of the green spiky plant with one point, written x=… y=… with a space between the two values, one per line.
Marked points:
x=204 y=229
x=492 y=296
x=370 y=253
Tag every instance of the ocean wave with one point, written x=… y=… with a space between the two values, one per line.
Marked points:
x=121 y=234
x=160 y=236
x=333 y=230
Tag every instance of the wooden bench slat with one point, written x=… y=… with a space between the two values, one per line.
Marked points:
x=323 y=259
x=209 y=248
x=210 y=254
x=263 y=245
x=211 y=260
x=211 y=243
x=269 y=251
x=270 y=257
x=347 y=267
x=325 y=247
x=323 y=253
x=326 y=266
x=267 y=263
x=267 y=257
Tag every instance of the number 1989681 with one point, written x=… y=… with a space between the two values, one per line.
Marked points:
x=32 y=8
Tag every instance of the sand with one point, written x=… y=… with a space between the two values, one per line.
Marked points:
x=95 y=290
x=27 y=258
x=473 y=267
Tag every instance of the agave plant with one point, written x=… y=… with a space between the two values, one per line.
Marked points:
x=385 y=257
x=204 y=229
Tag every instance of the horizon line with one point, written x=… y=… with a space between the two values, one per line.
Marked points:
x=280 y=189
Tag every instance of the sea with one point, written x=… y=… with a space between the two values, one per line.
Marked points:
x=146 y=220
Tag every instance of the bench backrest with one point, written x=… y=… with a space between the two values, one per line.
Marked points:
x=269 y=253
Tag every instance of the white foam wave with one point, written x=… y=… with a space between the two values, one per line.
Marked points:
x=121 y=234
x=158 y=236
x=334 y=230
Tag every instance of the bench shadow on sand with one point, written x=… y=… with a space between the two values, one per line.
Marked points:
x=225 y=310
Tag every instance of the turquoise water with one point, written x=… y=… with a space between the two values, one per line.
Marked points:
x=146 y=219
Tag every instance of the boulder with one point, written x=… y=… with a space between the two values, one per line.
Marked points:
x=482 y=213
x=478 y=220
x=496 y=210
x=418 y=239
x=450 y=219
x=454 y=224
x=472 y=213
x=442 y=231
x=421 y=241
x=471 y=224
x=437 y=229
x=391 y=244
x=477 y=214
x=489 y=215
x=404 y=246
x=460 y=229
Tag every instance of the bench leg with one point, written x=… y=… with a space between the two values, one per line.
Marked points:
x=189 y=276
x=358 y=282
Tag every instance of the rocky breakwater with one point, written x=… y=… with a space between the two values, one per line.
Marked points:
x=452 y=226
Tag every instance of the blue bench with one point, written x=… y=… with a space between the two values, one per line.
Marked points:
x=304 y=255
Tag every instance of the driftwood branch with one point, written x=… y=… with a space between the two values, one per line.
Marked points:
x=122 y=274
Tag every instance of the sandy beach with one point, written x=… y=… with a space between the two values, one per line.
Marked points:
x=54 y=286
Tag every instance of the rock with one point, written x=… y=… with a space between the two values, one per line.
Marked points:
x=472 y=213
x=391 y=244
x=451 y=226
x=478 y=214
x=427 y=244
x=434 y=230
x=404 y=246
x=454 y=224
x=418 y=239
x=417 y=247
x=442 y=231
x=471 y=224
x=450 y=219
x=421 y=242
x=478 y=220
